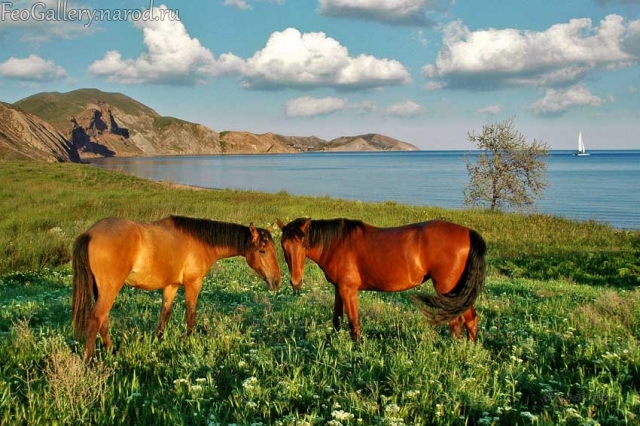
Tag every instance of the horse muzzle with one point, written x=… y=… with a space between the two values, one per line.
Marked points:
x=274 y=284
x=297 y=286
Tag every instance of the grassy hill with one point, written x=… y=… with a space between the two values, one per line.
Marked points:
x=558 y=339
x=108 y=124
x=57 y=107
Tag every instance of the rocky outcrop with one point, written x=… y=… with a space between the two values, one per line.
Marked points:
x=305 y=143
x=250 y=143
x=24 y=136
x=102 y=124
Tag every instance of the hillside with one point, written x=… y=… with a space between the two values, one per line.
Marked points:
x=24 y=136
x=250 y=143
x=368 y=142
x=112 y=124
x=101 y=124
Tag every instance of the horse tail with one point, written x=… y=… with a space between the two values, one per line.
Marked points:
x=442 y=308
x=83 y=285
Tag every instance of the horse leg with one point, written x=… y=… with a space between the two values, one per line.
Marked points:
x=456 y=326
x=98 y=320
x=191 y=293
x=468 y=321
x=337 y=311
x=168 y=296
x=471 y=323
x=349 y=295
x=104 y=333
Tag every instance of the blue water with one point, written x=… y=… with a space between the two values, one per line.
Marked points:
x=604 y=186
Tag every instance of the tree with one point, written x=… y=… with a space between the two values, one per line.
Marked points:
x=509 y=172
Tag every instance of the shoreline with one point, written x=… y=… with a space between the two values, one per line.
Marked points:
x=269 y=174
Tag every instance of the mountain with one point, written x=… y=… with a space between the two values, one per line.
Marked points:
x=109 y=124
x=24 y=136
x=250 y=143
x=101 y=124
x=368 y=142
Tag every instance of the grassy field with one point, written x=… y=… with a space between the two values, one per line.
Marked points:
x=558 y=340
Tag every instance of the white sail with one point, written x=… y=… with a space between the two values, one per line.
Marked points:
x=581 y=149
x=580 y=143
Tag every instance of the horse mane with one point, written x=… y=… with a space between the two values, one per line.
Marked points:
x=324 y=232
x=215 y=233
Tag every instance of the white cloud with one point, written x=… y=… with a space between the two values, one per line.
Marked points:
x=421 y=38
x=561 y=55
x=293 y=59
x=240 y=4
x=172 y=57
x=289 y=59
x=632 y=40
x=33 y=68
x=433 y=85
x=307 y=106
x=395 y=12
x=557 y=102
x=31 y=20
x=409 y=109
x=244 y=4
x=363 y=107
x=489 y=110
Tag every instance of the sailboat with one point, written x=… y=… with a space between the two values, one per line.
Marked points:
x=581 y=152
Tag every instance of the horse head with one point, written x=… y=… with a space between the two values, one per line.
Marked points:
x=294 y=245
x=261 y=257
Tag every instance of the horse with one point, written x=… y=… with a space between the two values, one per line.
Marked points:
x=356 y=256
x=165 y=254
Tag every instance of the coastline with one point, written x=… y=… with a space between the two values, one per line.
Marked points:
x=417 y=178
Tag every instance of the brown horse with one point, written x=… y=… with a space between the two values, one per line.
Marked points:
x=165 y=254
x=356 y=256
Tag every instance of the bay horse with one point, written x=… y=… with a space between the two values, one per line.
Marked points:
x=166 y=254
x=356 y=256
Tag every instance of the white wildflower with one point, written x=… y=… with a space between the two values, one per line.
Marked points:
x=391 y=408
x=412 y=393
x=341 y=415
x=250 y=383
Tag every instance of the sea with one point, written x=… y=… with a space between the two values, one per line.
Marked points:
x=603 y=187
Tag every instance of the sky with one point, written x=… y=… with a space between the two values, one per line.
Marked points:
x=427 y=72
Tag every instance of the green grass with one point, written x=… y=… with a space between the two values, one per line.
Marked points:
x=558 y=340
x=56 y=107
x=163 y=123
x=43 y=207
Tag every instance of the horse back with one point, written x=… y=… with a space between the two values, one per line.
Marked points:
x=400 y=258
x=148 y=255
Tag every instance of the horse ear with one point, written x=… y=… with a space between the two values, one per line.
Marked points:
x=255 y=235
x=305 y=226
x=280 y=224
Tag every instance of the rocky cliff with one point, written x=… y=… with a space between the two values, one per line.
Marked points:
x=24 y=136
x=112 y=124
x=250 y=143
